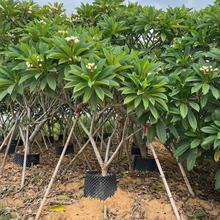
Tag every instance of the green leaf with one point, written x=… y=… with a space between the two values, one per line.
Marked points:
x=153 y=111
x=62 y=197
x=145 y=103
x=209 y=130
x=10 y=89
x=57 y=208
x=217 y=180
x=129 y=99
x=161 y=132
x=215 y=92
x=87 y=95
x=183 y=110
x=205 y=88
x=79 y=86
x=195 y=143
x=150 y=134
x=196 y=88
x=203 y=101
x=217 y=123
x=191 y=159
x=137 y=101
x=192 y=120
x=216 y=143
x=195 y=106
x=209 y=140
x=181 y=149
x=100 y=93
x=51 y=82
x=3 y=94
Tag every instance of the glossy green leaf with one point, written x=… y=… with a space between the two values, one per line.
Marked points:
x=183 y=110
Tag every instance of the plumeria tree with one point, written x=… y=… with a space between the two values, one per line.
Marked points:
x=127 y=66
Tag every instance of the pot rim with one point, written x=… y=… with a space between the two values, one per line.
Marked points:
x=147 y=158
x=22 y=154
x=98 y=174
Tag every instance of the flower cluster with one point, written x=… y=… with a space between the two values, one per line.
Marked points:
x=91 y=67
x=42 y=22
x=62 y=32
x=208 y=69
x=39 y=63
x=29 y=65
x=29 y=10
x=72 y=39
x=72 y=18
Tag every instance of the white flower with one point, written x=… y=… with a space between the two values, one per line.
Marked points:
x=62 y=32
x=42 y=22
x=91 y=66
x=28 y=64
x=207 y=69
x=72 y=39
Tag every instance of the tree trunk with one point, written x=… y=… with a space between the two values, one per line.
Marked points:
x=140 y=143
x=104 y=171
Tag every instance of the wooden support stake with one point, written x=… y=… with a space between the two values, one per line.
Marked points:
x=55 y=171
x=8 y=146
x=175 y=210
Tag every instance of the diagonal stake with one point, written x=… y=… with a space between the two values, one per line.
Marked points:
x=55 y=171
x=175 y=210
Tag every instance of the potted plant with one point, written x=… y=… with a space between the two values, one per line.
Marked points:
x=93 y=82
x=144 y=90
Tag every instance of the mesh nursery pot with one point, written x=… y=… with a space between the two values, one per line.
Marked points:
x=144 y=164
x=32 y=159
x=98 y=186
x=69 y=150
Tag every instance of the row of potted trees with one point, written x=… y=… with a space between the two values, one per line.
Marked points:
x=131 y=72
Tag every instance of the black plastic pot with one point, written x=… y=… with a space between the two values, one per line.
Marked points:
x=106 y=135
x=60 y=137
x=11 y=150
x=135 y=150
x=32 y=159
x=98 y=186
x=69 y=150
x=144 y=164
x=16 y=142
x=51 y=139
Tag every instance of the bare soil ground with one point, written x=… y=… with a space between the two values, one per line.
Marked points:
x=139 y=196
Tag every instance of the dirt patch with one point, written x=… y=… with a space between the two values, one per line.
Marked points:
x=86 y=208
x=140 y=195
x=158 y=209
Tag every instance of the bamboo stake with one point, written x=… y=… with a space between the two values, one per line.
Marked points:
x=186 y=179
x=25 y=156
x=6 y=138
x=184 y=175
x=26 y=149
x=165 y=184
x=45 y=143
x=55 y=171
x=8 y=146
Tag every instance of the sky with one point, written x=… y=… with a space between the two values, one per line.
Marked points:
x=70 y=5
